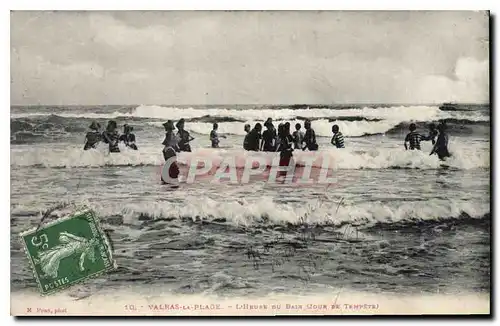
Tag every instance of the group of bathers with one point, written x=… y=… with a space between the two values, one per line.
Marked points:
x=109 y=136
x=270 y=140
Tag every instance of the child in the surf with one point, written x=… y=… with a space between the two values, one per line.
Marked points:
x=269 y=137
x=285 y=146
x=245 y=140
x=253 y=138
x=310 y=137
x=413 y=138
x=111 y=136
x=128 y=137
x=93 y=137
x=214 y=136
x=169 y=150
x=441 y=146
x=298 y=137
x=184 y=137
x=338 y=138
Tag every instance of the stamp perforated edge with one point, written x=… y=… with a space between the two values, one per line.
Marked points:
x=79 y=211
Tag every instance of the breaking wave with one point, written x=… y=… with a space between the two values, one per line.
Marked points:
x=464 y=157
x=353 y=122
x=265 y=211
x=398 y=113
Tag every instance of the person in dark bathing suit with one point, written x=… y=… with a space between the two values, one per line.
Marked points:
x=433 y=132
x=441 y=146
x=110 y=137
x=285 y=146
x=93 y=137
x=245 y=140
x=253 y=138
x=278 y=138
x=170 y=149
x=269 y=137
x=128 y=137
x=184 y=137
x=310 y=137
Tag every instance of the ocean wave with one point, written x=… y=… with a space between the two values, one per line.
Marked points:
x=396 y=113
x=454 y=127
x=322 y=127
x=464 y=157
x=353 y=122
x=265 y=211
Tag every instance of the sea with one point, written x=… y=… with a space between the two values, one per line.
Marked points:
x=394 y=223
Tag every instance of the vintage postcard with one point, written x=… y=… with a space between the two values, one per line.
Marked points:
x=250 y=163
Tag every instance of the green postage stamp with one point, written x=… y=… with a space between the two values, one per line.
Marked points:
x=67 y=251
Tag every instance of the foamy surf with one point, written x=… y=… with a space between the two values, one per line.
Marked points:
x=464 y=157
x=329 y=210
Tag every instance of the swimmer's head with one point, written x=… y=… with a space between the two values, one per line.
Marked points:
x=335 y=129
x=258 y=127
x=180 y=123
x=95 y=126
x=432 y=126
x=269 y=123
x=413 y=127
x=307 y=124
x=441 y=127
x=297 y=126
x=281 y=127
x=169 y=125
x=247 y=127
x=286 y=127
x=216 y=126
x=111 y=125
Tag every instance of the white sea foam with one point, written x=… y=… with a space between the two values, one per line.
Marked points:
x=465 y=156
x=322 y=127
x=247 y=213
x=393 y=113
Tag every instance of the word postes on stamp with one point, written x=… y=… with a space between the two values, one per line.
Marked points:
x=67 y=251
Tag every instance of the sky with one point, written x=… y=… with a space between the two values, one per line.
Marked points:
x=273 y=57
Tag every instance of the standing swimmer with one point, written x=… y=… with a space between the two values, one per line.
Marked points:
x=285 y=147
x=338 y=138
x=253 y=138
x=269 y=137
x=93 y=137
x=169 y=151
x=278 y=138
x=245 y=140
x=441 y=146
x=214 y=136
x=414 y=138
x=433 y=132
x=310 y=137
x=128 y=137
x=298 y=137
x=184 y=137
x=110 y=136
